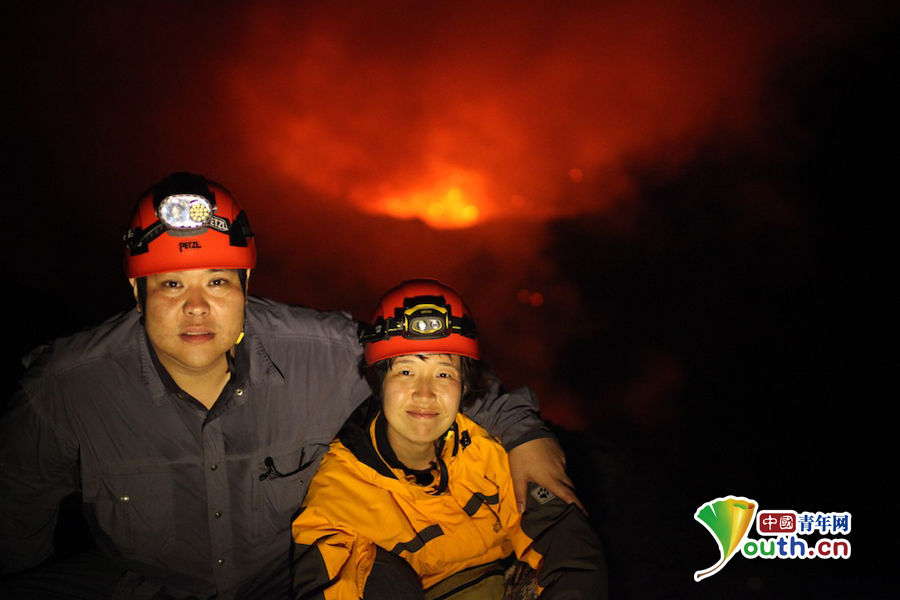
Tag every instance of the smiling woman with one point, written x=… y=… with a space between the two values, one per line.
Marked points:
x=422 y=481
x=421 y=399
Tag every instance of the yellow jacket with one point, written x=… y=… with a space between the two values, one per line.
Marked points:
x=361 y=497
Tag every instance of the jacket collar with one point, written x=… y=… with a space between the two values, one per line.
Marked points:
x=436 y=478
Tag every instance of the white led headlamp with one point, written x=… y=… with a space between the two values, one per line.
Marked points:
x=187 y=214
x=185 y=211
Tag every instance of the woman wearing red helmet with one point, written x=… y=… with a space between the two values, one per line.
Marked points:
x=418 y=479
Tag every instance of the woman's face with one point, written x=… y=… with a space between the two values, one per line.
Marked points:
x=421 y=395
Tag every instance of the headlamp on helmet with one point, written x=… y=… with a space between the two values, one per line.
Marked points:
x=179 y=224
x=420 y=316
x=427 y=318
x=185 y=211
x=426 y=321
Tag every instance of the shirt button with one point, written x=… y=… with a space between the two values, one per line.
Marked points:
x=213 y=467
x=124 y=498
x=220 y=562
x=217 y=514
x=239 y=391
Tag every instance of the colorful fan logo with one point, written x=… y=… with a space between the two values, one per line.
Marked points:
x=728 y=520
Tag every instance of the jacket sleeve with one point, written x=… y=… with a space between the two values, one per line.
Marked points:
x=559 y=538
x=38 y=468
x=554 y=538
x=572 y=560
x=511 y=417
x=330 y=562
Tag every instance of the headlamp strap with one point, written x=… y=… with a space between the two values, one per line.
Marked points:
x=385 y=328
x=239 y=230
x=137 y=240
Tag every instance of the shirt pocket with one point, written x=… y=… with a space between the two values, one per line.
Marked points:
x=280 y=486
x=132 y=512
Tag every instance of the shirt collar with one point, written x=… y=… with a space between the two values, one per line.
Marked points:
x=251 y=365
x=258 y=364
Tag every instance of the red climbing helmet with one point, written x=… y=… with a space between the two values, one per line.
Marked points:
x=420 y=316
x=188 y=222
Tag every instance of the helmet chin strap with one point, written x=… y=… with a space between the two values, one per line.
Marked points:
x=242 y=276
x=141 y=283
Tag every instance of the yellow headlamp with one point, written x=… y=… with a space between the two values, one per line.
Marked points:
x=426 y=321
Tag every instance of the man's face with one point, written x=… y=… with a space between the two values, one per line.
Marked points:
x=194 y=317
x=421 y=396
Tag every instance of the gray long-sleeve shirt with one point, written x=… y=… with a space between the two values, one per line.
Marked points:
x=187 y=499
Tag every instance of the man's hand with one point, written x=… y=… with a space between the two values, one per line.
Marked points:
x=543 y=462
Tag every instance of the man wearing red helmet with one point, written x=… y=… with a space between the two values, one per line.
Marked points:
x=192 y=426
x=416 y=478
x=192 y=285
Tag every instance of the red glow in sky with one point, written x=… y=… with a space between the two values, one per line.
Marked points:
x=340 y=126
x=461 y=115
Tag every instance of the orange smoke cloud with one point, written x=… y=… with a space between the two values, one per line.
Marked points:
x=458 y=114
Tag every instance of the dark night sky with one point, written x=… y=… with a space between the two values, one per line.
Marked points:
x=697 y=193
